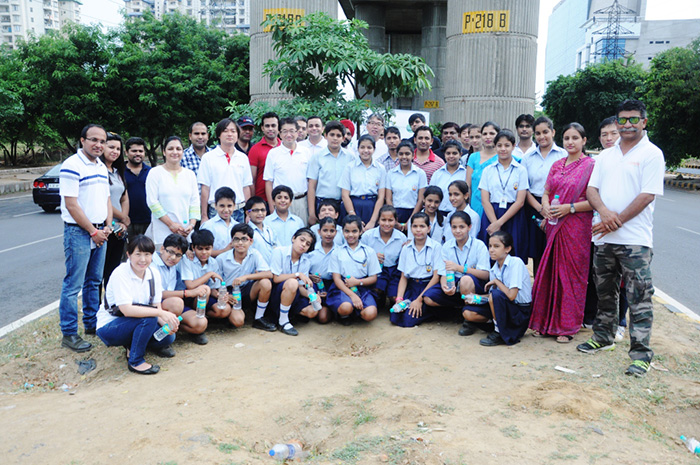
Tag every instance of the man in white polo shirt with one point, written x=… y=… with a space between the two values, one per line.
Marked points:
x=224 y=166
x=86 y=211
x=624 y=184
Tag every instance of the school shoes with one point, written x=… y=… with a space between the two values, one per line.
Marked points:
x=289 y=330
x=345 y=320
x=165 y=352
x=493 y=339
x=467 y=329
x=200 y=339
x=151 y=371
x=76 y=343
x=262 y=323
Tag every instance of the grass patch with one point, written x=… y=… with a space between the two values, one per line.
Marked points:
x=326 y=404
x=442 y=409
x=353 y=451
x=364 y=416
x=227 y=448
x=512 y=432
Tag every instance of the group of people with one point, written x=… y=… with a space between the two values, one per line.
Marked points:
x=311 y=223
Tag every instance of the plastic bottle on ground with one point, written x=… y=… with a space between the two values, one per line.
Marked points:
x=163 y=331
x=555 y=203
x=282 y=452
x=692 y=444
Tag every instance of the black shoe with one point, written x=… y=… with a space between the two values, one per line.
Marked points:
x=90 y=331
x=345 y=320
x=200 y=339
x=467 y=329
x=289 y=330
x=151 y=371
x=493 y=339
x=165 y=352
x=262 y=323
x=76 y=343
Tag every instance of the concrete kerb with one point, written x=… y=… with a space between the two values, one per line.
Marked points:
x=19 y=179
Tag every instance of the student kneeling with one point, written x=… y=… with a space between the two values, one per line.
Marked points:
x=131 y=311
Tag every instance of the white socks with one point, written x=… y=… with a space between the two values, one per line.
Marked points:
x=284 y=314
x=260 y=310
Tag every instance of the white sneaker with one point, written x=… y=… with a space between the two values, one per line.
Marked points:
x=620 y=335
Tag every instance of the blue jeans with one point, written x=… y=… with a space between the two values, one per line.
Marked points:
x=136 y=334
x=84 y=268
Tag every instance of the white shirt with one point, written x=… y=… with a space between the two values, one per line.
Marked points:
x=215 y=171
x=220 y=230
x=620 y=179
x=313 y=149
x=513 y=274
x=175 y=196
x=88 y=181
x=286 y=168
x=504 y=184
x=520 y=155
x=538 y=168
x=476 y=223
x=125 y=288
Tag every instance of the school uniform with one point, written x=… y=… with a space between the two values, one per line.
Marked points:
x=264 y=240
x=388 y=279
x=282 y=264
x=437 y=230
x=473 y=254
x=326 y=169
x=476 y=223
x=220 y=230
x=170 y=276
x=320 y=262
x=503 y=186
x=252 y=263
x=404 y=189
x=443 y=178
x=338 y=240
x=418 y=266
x=512 y=317
x=363 y=183
x=194 y=269
x=283 y=229
x=359 y=263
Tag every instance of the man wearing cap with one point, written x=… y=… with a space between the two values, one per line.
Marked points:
x=247 y=127
x=192 y=156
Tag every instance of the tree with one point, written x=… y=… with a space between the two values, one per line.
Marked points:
x=318 y=55
x=592 y=94
x=166 y=74
x=673 y=101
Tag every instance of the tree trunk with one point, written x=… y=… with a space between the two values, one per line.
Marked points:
x=70 y=146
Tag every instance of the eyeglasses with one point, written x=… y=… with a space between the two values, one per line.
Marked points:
x=257 y=210
x=95 y=140
x=174 y=254
x=631 y=119
x=288 y=131
x=374 y=123
x=236 y=240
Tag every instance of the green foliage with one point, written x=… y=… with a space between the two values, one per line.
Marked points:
x=317 y=55
x=673 y=102
x=592 y=94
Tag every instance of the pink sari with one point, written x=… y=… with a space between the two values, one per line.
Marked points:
x=559 y=290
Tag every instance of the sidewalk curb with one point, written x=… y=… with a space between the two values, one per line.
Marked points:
x=19 y=186
x=682 y=184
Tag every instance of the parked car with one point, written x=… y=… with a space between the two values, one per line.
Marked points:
x=45 y=190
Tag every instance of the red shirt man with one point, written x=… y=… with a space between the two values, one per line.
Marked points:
x=425 y=159
x=258 y=153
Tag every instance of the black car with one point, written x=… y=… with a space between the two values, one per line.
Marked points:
x=45 y=190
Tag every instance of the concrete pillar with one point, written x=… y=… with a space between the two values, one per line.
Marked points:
x=374 y=15
x=433 y=51
x=261 y=42
x=491 y=75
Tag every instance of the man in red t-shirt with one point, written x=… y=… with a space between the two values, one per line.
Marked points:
x=269 y=124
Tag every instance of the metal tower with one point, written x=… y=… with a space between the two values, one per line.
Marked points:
x=612 y=48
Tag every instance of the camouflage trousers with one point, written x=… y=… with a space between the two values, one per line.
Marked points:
x=613 y=262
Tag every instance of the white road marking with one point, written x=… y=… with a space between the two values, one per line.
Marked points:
x=667 y=299
x=664 y=198
x=31 y=317
x=30 y=243
x=15 y=197
x=689 y=230
x=25 y=214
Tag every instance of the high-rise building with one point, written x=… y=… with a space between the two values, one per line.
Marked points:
x=21 y=18
x=232 y=16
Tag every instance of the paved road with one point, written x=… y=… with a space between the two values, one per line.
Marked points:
x=31 y=272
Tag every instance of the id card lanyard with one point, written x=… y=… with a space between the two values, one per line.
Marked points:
x=504 y=203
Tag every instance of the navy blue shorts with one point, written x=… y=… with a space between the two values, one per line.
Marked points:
x=191 y=303
x=336 y=298
x=246 y=301
x=388 y=280
x=298 y=304
x=437 y=295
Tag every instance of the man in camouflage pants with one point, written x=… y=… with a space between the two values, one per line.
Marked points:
x=624 y=184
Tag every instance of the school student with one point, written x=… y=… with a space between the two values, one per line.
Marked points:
x=452 y=171
x=167 y=262
x=264 y=240
x=282 y=222
x=405 y=185
x=129 y=315
x=418 y=263
x=221 y=224
x=320 y=259
x=355 y=268
x=245 y=267
x=362 y=184
x=203 y=271
x=468 y=259
x=328 y=208
x=290 y=274
x=458 y=192
x=432 y=199
x=504 y=188
x=387 y=242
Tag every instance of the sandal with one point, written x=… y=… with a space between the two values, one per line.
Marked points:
x=538 y=334
x=565 y=339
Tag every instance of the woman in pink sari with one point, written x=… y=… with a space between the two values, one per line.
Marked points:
x=559 y=290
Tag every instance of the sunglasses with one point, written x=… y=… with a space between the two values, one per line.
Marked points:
x=631 y=119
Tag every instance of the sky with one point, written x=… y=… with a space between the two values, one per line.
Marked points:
x=106 y=12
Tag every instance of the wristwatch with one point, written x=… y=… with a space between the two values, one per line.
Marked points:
x=296 y=275
x=573 y=209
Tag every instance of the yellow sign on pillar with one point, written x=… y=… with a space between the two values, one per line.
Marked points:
x=287 y=13
x=431 y=103
x=486 y=21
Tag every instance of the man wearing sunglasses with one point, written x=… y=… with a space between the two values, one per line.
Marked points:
x=624 y=184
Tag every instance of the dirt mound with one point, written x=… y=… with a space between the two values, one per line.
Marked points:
x=566 y=398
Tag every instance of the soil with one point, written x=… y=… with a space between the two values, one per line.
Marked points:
x=365 y=394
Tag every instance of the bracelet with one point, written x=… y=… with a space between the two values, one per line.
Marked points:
x=399 y=299
x=94 y=233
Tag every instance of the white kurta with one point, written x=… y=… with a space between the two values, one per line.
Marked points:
x=174 y=195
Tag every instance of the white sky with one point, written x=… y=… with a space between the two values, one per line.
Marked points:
x=106 y=12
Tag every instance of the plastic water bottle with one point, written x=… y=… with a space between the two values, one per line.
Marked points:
x=354 y=288
x=555 y=203
x=400 y=306
x=282 y=452
x=692 y=444
x=222 y=302
x=475 y=299
x=320 y=285
x=163 y=331
x=201 y=306
x=236 y=293
x=313 y=298
x=596 y=218
x=537 y=222
x=450 y=279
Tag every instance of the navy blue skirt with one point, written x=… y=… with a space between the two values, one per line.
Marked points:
x=512 y=318
x=537 y=239
x=336 y=298
x=516 y=226
x=413 y=290
x=364 y=206
x=388 y=280
x=404 y=214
